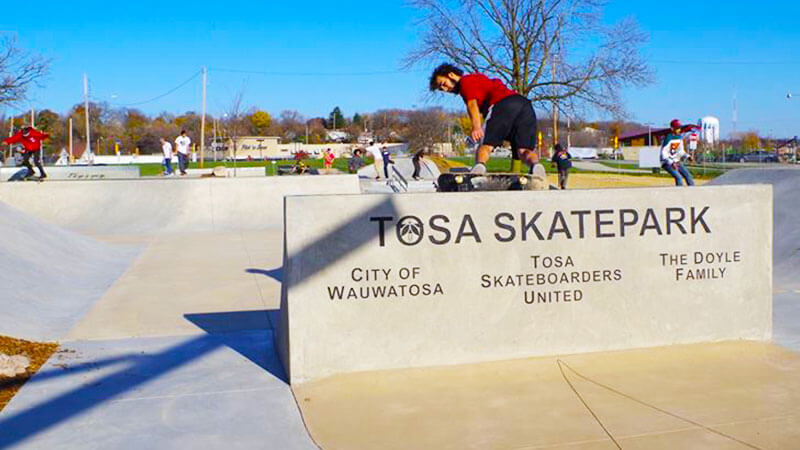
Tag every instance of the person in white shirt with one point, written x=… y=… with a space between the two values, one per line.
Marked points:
x=182 y=144
x=377 y=156
x=166 y=148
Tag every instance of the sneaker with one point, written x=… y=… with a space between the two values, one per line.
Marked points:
x=479 y=168
x=416 y=178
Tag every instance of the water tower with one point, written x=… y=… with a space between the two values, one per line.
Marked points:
x=709 y=130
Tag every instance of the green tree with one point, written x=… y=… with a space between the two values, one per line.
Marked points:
x=336 y=119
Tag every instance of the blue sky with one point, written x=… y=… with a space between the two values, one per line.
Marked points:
x=136 y=51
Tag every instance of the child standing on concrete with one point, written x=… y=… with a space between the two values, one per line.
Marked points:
x=166 y=149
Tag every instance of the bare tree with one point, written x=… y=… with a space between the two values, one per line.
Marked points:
x=19 y=70
x=552 y=51
x=235 y=123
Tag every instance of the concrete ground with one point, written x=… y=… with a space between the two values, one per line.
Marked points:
x=178 y=353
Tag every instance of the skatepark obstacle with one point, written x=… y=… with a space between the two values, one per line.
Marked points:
x=386 y=282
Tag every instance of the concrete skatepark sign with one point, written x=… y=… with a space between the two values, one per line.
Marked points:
x=382 y=282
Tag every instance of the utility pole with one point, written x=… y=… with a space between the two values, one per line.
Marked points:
x=214 y=141
x=203 y=120
x=33 y=118
x=86 y=113
x=569 y=144
x=69 y=140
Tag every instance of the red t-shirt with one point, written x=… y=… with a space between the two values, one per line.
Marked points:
x=487 y=91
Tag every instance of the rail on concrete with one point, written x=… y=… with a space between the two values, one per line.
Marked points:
x=168 y=205
x=387 y=281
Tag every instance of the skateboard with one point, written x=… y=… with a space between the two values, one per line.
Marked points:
x=472 y=182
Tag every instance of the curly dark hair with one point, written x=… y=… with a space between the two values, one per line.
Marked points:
x=442 y=71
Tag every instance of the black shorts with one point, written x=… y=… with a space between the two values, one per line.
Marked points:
x=511 y=119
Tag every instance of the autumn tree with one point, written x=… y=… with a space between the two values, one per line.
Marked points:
x=260 y=123
x=555 y=52
x=751 y=141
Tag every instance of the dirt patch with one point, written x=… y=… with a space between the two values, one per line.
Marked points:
x=37 y=352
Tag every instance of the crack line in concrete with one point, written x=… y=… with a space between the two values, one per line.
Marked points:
x=562 y=364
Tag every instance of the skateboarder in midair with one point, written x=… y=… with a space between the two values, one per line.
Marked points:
x=31 y=140
x=497 y=113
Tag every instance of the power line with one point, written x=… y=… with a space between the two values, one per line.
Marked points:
x=159 y=97
x=312 y=74
x=723 y=63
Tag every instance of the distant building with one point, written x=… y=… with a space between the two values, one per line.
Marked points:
x=709 y=130
x=337 y=135
x=255 y=147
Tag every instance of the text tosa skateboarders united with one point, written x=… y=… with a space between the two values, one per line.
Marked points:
x=441 y=229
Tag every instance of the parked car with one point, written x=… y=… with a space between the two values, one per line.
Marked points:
x=759 y=156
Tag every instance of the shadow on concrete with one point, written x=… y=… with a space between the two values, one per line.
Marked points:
x=232 y=329
x=340 y=242
x=246 y=332
x=19 y=426
x=275 y=274
x=228 y=326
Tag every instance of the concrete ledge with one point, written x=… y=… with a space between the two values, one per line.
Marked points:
x=77 y=173
x=382 y=282
x=168 y=205
x=230 y=172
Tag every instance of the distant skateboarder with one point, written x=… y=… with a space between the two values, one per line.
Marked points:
x=673 y=154
x=508 y=116
x=31 y=140
x=182 y=144
x=377 y=158
x=562 y=161
x=416 y=161
x=387 y=159
x=166 y=149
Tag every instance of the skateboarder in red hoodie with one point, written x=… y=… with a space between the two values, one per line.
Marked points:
x=31 y=140
x=507 y=116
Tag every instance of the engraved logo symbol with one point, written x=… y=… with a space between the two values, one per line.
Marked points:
x=409 y=230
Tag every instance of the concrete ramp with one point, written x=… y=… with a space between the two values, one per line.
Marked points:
x=51 y=277
x=162 y=206
x=786 y=190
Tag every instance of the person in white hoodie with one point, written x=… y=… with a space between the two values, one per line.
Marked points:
x=673 y=154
